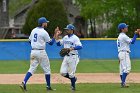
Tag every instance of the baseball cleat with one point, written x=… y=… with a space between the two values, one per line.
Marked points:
x=23 y=87
x=73 y=88
x=124 y=85
x=50 y=89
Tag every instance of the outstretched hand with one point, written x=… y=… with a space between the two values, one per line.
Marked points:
x=57 y=32
x=137 y=31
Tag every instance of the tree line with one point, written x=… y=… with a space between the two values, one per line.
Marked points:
x=111 y=12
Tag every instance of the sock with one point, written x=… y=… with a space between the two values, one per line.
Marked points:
x=121 y=77
x=28 y=75
x=47 y=77
x=72 y=82
x=124 y=77
x=67 y=76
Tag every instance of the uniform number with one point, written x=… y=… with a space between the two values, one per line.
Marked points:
x=35 y=37
x=118 y=44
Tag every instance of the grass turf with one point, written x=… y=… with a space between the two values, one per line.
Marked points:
x=65 y=88
x=84 y=66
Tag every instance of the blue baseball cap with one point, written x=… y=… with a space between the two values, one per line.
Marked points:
x=122 y=26
x=70 y=27
x=42 y=20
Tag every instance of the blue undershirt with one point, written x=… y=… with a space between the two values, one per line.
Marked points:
x=51 y=42
x=78 y=47
x=134 y=38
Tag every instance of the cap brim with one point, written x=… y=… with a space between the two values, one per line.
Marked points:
x=47 y=21
x=126 y=26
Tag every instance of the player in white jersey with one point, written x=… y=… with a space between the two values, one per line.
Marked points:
x=71 y=60
x=123 y=44
x=38 y=39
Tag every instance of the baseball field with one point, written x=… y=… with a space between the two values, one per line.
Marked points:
x=94 y=76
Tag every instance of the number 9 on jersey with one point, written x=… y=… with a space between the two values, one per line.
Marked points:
x=35 y=37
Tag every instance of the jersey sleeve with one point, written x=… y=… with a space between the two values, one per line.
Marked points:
x=47 y=37
x=61 y=41
x=127 y=39
x=77 y=42
x=30 y=37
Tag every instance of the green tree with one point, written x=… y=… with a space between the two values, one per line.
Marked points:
x=53 y=10
x=113 y=12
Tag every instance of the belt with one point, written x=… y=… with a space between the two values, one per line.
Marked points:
x=71 y=54
x=37 y=49
x=124 y=51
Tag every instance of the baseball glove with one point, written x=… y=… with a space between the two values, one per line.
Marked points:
x=64 y=51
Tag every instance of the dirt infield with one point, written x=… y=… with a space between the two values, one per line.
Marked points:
x=82 y=78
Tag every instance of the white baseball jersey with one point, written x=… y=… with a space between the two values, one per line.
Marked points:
x=70 y=42
x=38 y=38
x=123 y=44
x=70 y=61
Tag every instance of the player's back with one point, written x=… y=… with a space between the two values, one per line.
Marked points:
x=38 y=38
x=123 y=42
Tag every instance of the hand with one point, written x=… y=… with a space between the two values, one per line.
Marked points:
x=137 y=31
x=71 y=49
x=57 y=32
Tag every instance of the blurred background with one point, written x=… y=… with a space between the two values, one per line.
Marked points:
x=96 y=24
x=92 y=18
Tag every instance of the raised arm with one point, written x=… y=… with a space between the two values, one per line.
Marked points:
x=51 y=41
x=56 y=36
x=135 y=36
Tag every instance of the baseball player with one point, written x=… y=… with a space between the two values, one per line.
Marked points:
x=38 y=39
x=70 y=60
x=123 y=44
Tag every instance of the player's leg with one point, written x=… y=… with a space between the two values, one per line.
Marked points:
x=125 y=70
x=128 y=63
x=122 y=65
x=74 y=59
x=64 y=68
x=33 y=66
x=45 y=64
x=120 y=68
x=121 y=71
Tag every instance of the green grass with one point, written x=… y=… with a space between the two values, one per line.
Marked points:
x=65 y=88
x=84 y=66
